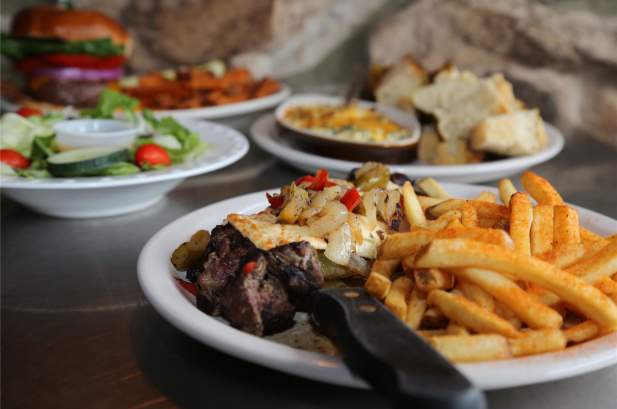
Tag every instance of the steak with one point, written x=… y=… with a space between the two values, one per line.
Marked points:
x=224 y=254
x=296 y=265
x=256 y=301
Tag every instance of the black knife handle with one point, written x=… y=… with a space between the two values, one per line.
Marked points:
x=395 y=361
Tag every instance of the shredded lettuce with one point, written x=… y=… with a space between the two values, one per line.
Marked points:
x=18 y=133
x=190 y=144
x=109 y=102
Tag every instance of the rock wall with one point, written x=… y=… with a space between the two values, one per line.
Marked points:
x=561 y=60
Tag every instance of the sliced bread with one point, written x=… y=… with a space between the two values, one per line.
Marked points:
x=399 y=83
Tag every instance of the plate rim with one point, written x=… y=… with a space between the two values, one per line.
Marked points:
x=167 y=299
x=237 y=141
x=227 y=110
x=261 y=133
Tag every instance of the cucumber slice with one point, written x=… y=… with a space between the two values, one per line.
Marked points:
x=82 y=162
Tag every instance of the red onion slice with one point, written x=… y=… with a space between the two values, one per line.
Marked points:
x=83 y=74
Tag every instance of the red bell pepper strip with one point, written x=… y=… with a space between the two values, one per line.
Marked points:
x=275 y=201
x=351 y=199
x=249 y=267
x=190 y=287
x=317 y=182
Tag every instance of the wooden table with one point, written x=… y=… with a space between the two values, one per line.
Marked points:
x=78 y=333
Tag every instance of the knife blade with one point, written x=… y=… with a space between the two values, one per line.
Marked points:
x=390 y=357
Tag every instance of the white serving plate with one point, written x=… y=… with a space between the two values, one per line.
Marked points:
x=266 y=135
x=223 y=111
x=155 y=274
x=113 y=195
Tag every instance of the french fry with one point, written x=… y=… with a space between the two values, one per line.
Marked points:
x=607 y=285
x=545 y=297
x=521 y=215
x=493 y=236
x=427 y=201
x=565 y=256
x=566 y=229
x=470 y=315
x=537 y=342
x=444 y=220
x=524 y=305
x=416 y=306
x=427 y=333
x=542 y=229
x=385 y=267
x=599 y=265
x=589 y=236
x=477 y=295
x=377 y=285
x=432 y=188
x=507 y=314
x=433 y=319
x=469 y=216
x=411 y=207
x=471 y=348
x=432 y=279
x=506 y=190
x=396 y=300
x=487 y=197
x=582 y=332
x=399 y=245
x=455 y=224
x=487 y=210
x=453 y=253
x=444 y=207
x=540 y=189
x=455 y=329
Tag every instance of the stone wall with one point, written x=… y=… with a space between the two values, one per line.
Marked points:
x=563 y=60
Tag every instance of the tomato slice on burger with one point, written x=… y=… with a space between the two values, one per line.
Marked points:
x=35 y=63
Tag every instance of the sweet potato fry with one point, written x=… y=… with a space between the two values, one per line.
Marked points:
x=396 y=300
x=542 y=229
x=470 y=315
x=540 y=189
x=506 y=190
x=524 y=305
x=521 y=215
x=452 y=253
x=471 y=348
x=566 y=229
x=537 y=342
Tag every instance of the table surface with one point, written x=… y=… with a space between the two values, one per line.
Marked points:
x=77 y=331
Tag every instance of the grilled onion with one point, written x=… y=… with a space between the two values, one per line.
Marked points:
x=332 y=216
x=298 y=201
x=339 y=245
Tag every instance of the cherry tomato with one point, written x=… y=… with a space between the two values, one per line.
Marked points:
x=351 y=199
x=14 y=159
x=27 y=111
x=151 y=154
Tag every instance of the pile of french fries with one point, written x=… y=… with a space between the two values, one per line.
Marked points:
x=483 y=281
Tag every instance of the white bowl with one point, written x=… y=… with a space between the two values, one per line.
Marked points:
x=93 y=133
x=113 y=195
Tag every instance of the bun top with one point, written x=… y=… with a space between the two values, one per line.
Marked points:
x=68 y=25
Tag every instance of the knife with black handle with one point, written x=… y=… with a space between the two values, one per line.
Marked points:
x=390 y=357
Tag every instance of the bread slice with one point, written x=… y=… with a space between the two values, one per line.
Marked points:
x=513 y=134
x=432 y=149
x=399 y=83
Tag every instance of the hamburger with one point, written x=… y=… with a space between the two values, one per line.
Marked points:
x=67 y=56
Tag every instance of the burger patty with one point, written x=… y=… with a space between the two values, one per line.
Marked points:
x=81 y=94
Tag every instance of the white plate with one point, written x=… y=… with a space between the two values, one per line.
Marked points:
x=155 y=277
x=114 y=195
x=237 y=108
x=265 y=134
